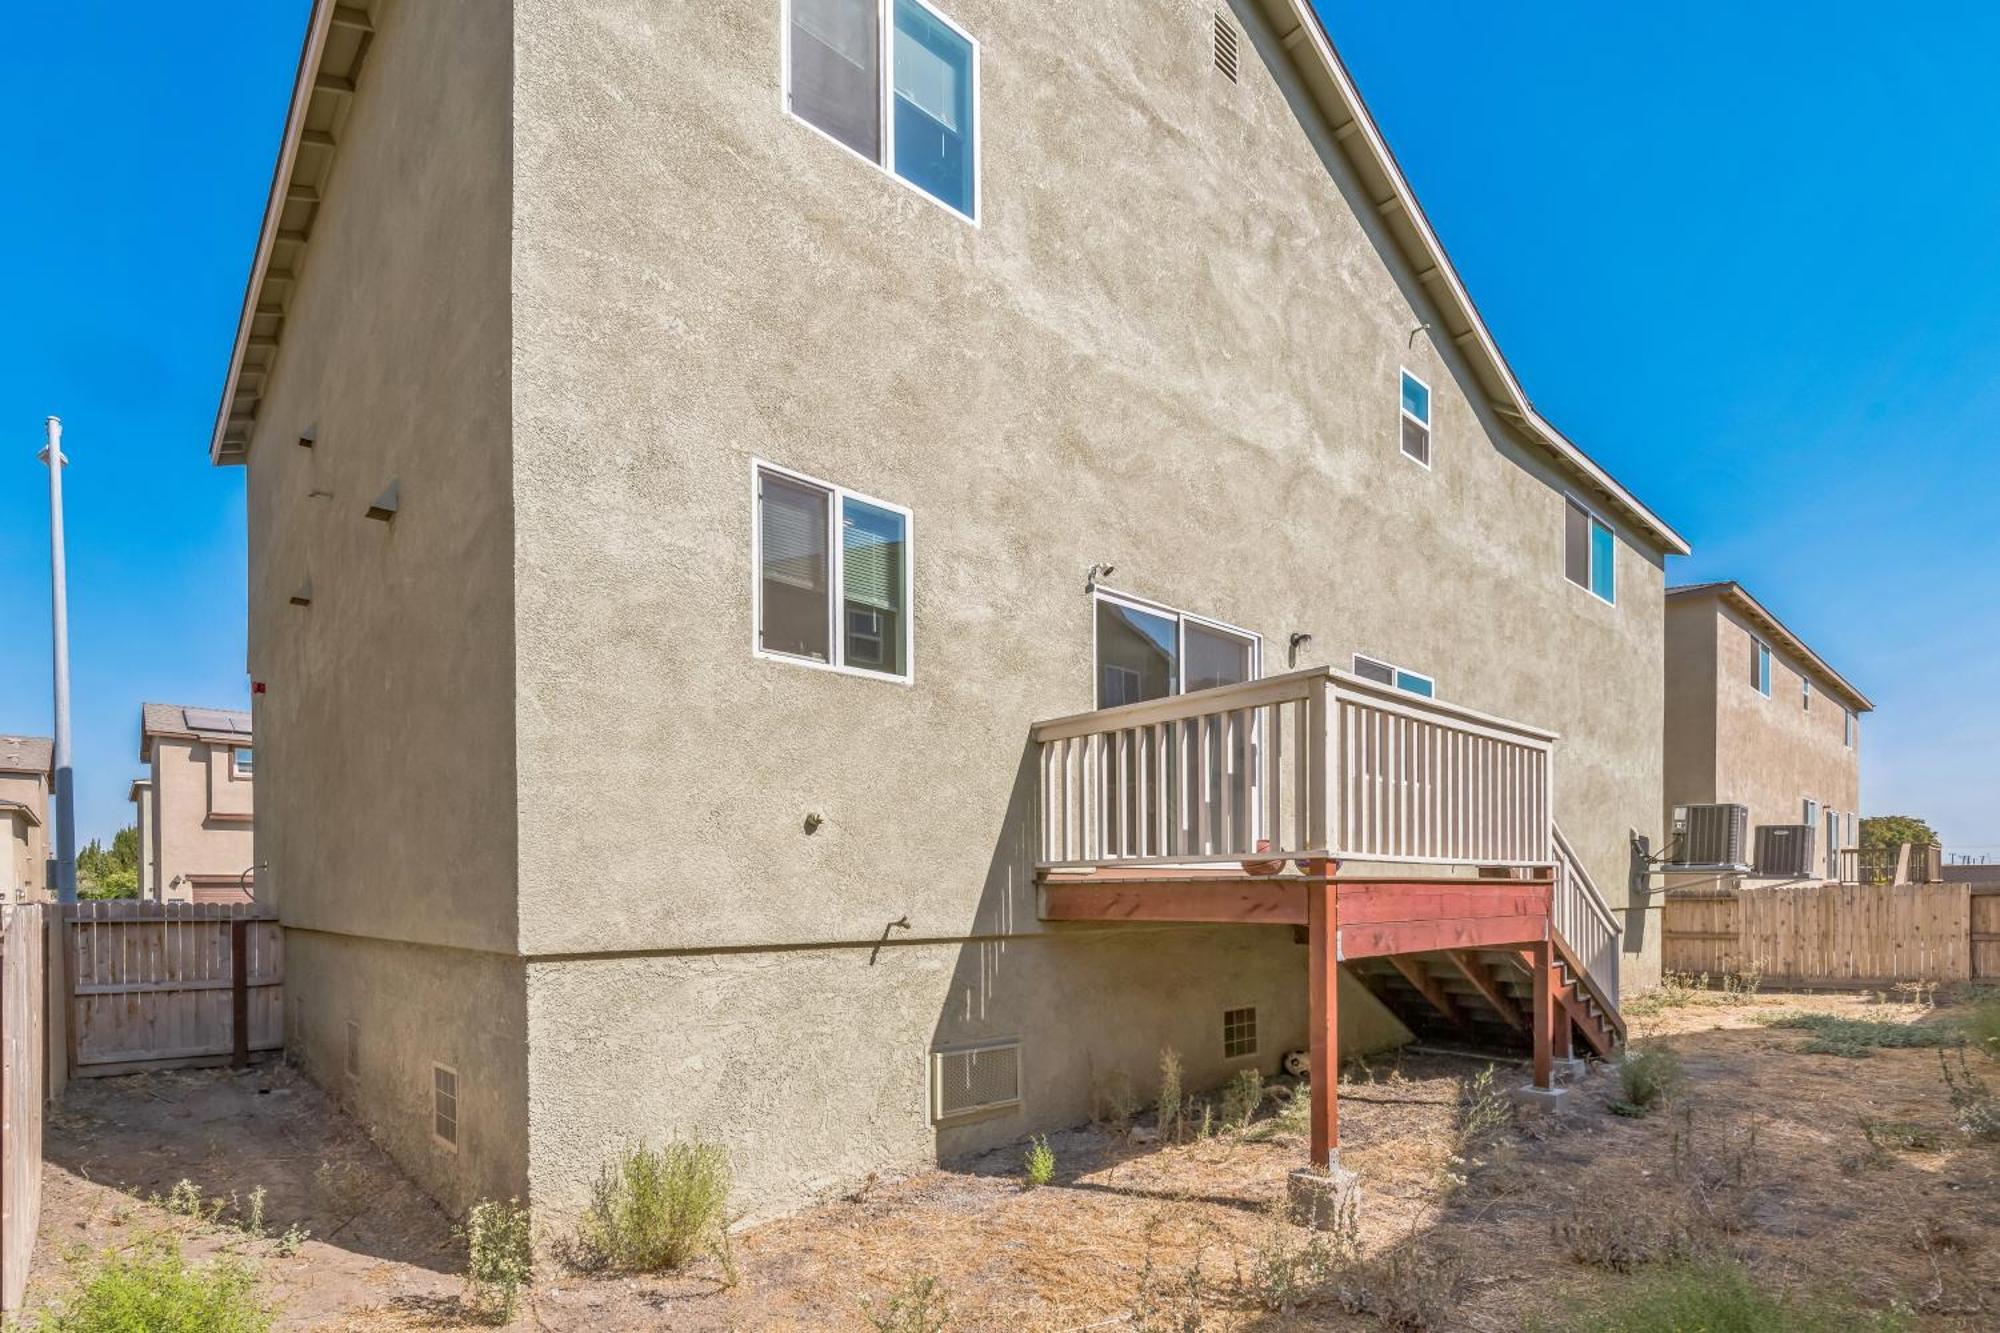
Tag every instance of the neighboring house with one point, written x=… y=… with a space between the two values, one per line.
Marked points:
x=1756 y=718
x=677 y=439
x=196 y=811
x=26 y=776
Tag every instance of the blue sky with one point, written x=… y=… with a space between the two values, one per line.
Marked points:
x=1746 y=261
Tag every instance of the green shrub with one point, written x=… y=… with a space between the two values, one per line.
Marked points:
x=151 y=1290
x=1241 y=1098
x=1716 y=1297
x=918 y=1308
x=1040 y=1162
x=1646 y=1079
x=499 y=1257
x=1982 y=1023
x=654 y=1209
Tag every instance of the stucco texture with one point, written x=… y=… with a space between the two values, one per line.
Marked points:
x=199 y=824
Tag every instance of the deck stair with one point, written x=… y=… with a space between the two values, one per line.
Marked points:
x=1482 y=998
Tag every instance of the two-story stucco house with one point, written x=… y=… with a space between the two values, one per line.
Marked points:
x=1757 y=719
x=26 y=776
x=801 y=549
x=197 y=806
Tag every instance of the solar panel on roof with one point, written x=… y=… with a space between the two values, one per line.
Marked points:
x=210 y=719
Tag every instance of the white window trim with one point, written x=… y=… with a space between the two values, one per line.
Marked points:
x=1395 y=671
x=1430 y=434
x=1762 y=650
x=1805 y=693
x=457 y=1106
x=835 y=621
x=885 y=27
x=1181 y=621
x=1850 y=727
x=1571 y=497
x=236 y=769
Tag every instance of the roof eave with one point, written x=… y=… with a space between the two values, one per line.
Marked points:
x=1740 y=597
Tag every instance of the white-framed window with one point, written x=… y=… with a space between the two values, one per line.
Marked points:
x=1239 y=1033
x=1402 y=678
x=444 y=1106
x=831 y=575
x=894 y=82
x=1415 y=418
x=1590 y=550
x=1811 y=813
x=1760 y=666
x=1145 y=650
x=1805 y=693
x=240 y=761
x=1847 y=727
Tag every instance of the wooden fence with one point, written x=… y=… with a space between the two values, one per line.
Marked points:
x=167 y=985
x=1836 y=934
x=24 y=1069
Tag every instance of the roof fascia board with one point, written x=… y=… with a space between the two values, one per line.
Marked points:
x=317 y=28
x=1431 y=259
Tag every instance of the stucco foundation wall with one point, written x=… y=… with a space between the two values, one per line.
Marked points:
x=416 y=1006
x=812 y=1066
x=1180 y=357
x=385 y=736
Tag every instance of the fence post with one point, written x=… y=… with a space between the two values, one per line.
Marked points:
x=239 y=990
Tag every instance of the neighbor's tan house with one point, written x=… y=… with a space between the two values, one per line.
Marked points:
x=197 y=807
x=1757 y=719
x=699 y=456
x=26 y=778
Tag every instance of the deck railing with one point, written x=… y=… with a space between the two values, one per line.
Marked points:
x=1583 y=919
x=1316 y=763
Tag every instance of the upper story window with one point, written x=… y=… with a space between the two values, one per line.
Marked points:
x=920 y=122
x=1590 y=551
x=1383 y=673
x=1148 y=651
x=833 y=582
x=1760 y=666
x=1416 y=418
x=1847 y=727
x=239 y=761
x=1805 y=693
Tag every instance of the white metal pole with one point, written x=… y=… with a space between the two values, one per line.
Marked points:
x=65 y=792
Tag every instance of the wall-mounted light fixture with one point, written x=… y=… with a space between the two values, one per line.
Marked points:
x=386 y=503
x=1097 y=572
x=1300 y=640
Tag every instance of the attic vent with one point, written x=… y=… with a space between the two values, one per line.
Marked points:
x=444 y=1105
x=1225 y=47
x=973 y=1080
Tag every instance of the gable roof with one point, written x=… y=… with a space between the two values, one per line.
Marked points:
x=227 y=726
x=27 y=754
x=1734 y=593
x=336 y=44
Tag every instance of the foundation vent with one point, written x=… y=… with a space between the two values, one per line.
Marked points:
x=975 y=1080
x=1225 y=47
x=1239 y=1033
x=444 y=1105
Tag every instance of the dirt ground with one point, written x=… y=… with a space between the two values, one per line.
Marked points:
x=1764 y=1155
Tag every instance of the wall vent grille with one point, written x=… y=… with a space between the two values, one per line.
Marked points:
x=1239 y=1033
x=1225 y=47
x=444 y=1105
x=973 y=1080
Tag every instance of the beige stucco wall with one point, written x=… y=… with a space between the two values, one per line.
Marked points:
x=26 y=852
x=201 y=816
x=415 y=1006
x=1771 y=754
x=524 y=719
x=1180 y=358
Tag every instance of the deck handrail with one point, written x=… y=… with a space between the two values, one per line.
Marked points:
x=1583 y=920
x=1314 y=763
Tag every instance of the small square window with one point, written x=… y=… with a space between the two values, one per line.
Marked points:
x=1416 y=419
x=1239 y=1033
x=239 y=761
x=803 y=576
x=444 y=1105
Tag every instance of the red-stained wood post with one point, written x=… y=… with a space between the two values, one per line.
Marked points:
x=1544 y=1023
x=1322 y=924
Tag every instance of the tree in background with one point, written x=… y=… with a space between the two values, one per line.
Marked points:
x=1895 y=830
x=112 y=872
